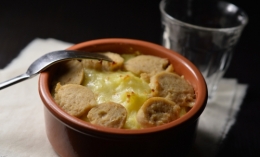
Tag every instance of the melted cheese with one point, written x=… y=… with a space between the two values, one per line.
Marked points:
x=120 y=87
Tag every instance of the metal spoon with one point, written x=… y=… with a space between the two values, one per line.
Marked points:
x=49 y=59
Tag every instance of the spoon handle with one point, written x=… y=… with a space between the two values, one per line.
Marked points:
x=14 y=81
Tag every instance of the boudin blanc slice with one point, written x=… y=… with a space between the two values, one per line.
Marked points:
x=108 y=114
x=157 y=111
x=173 y=87
x=146 y=64
x=75 y=99
x=116 y=64
x=70 y=72
x=105 y=65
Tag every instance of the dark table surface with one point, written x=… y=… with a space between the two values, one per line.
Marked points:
x=78 y=21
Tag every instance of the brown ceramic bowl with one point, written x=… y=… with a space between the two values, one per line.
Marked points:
x=70 y=136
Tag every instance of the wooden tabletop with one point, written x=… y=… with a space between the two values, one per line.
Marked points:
x=78 y=21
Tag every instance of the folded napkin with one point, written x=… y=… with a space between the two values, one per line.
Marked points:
x=22 y=131
x=218 y=116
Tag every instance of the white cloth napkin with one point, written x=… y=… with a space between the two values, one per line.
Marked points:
x=218 y=116
x=22 y=128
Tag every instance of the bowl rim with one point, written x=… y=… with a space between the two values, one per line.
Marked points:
x=82 y=126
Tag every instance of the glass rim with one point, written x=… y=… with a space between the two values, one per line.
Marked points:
x=240 y=26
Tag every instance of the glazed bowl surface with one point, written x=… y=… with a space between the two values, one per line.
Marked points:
x=70 y=136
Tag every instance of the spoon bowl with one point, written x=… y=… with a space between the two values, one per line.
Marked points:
x=48 y=60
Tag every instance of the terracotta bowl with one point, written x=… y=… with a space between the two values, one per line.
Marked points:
x=70 y=136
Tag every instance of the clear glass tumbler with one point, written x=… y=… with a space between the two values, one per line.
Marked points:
x=205 y=32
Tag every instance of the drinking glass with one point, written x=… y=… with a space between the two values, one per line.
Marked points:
x=203 y=31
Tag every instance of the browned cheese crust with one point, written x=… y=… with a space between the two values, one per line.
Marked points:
x=173 y=87
x=75 y=99
x=157 y=111
x=109 y=114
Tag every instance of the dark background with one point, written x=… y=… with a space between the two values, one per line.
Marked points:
x=77 y=21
